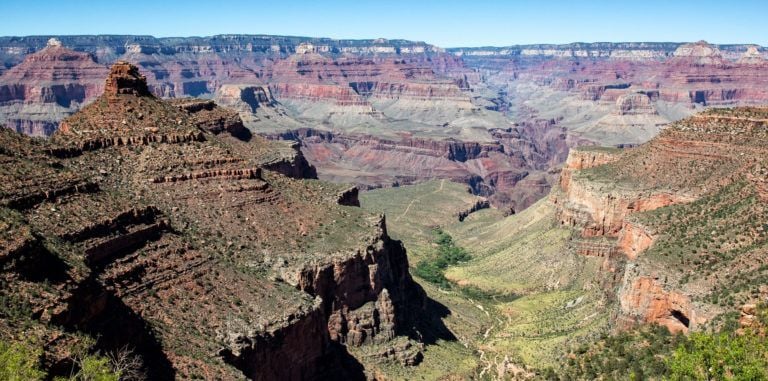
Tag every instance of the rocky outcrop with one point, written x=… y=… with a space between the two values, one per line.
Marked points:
x=210 y=117
x=752 y=57
x=750 y=322
x=273 y=354
x=367 y=298
x=349 y=197
x=244 y=271
x=644 y=300
x=254 y=103
x=601 y=212
x=592 y=208
x=479 y=205
x=124 y=78
x=634 y=239
x=584 y=158
x=291 y=162
x=699 y=53
x=634 y=104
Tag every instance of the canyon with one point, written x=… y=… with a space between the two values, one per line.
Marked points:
x=239 y=206
x=414 y=102
x=668 y=234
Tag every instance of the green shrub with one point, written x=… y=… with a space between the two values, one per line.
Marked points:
x=652 y=353
x=430 y=272
x=95 y=368
x=20 y=362
x=448 y=254
x=720 y=357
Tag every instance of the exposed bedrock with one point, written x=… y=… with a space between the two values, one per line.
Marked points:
x=634 y=104
x=634 y=239
x=597 y=211
x=254 y=103
x=511 y=170
x=644 y=299
x=169 y=220
x=602 y=193
x=579 y=159
x=601 y=217
x=367 y=297
x=299 y=349
x=364 y=298
x=349 y=197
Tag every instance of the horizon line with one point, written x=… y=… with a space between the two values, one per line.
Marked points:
x=379 y=38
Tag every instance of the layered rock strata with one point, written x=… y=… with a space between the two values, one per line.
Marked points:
x=201 y=255
x=631 y=199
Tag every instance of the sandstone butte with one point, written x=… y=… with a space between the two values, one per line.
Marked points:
x=165 y=226
x=685 y=215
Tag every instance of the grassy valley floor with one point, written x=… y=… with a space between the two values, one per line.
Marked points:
x=518 y=300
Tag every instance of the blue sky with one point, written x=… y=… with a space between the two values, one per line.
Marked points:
x=446 y=23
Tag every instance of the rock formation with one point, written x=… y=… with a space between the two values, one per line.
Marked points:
x=699 y=53
x=662 y=203
x=158 y=226
x=589 y=79
x=752 y=57
x=48 y=85
x=518 y=155
x=633 y=104
x=125 y=78
x=398 y=92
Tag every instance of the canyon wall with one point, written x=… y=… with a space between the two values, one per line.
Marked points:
x=401 y=112
x=512 y=170
x=641 y=200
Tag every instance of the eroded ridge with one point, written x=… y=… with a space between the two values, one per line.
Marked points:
x=655 y=212
x=209 y=256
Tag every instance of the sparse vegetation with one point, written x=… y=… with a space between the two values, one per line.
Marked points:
x=20 y=361
x=652 y=353
x=712 y=237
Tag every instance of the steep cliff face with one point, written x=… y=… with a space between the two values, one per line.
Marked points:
x=644 y=300
x=46 y=87
x=584 y=158
x=273 y=355
x=633 y=104
x=241 y=269
x=661 y=203
x=361 y=295
x=343 y=72
x=511 y=170
x=598 y=88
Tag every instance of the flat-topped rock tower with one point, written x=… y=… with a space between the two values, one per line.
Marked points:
x=124 y=78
